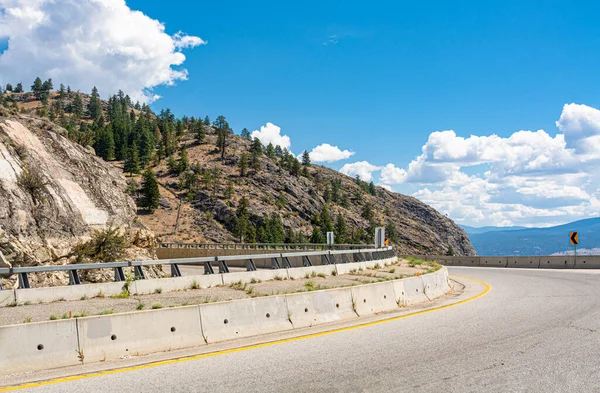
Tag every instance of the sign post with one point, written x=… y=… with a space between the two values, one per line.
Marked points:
x=574 y=237
x=379 y=237
x=330 y=238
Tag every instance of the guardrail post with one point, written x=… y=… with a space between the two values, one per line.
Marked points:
x=139 y=273
x=250 y=266
x=306 y=261
x=208 y=269
x=119 y=275
x=286 y=262
x=74 y=277
x=175 y=272
x=275 y=264
x=223 y=268
x=325 y=259
x=23 y=281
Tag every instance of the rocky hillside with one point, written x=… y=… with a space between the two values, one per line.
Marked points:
x=54 y=194
x=208 y=213
x=205 y=197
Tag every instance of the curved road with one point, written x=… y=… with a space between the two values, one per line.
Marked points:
x=535 y=331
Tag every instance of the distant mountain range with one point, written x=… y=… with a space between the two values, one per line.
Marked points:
x=534 y=241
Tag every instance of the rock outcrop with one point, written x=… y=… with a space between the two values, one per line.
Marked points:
x=54 y=193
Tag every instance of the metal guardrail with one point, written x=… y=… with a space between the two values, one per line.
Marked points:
x=278 y=261
x=265 y=246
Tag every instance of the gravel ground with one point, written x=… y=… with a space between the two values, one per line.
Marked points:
x=107 y=305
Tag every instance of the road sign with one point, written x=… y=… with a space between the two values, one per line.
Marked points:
x=379 y=236
x=574 y=238
x=329 y=237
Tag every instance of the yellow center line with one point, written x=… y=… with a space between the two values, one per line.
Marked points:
x=246 y=348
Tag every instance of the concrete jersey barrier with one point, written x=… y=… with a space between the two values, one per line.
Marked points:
x=315 y=308
x=532 y=262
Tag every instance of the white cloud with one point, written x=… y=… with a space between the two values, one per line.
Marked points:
x=527 y=178
x=270 y=133
x=327 y=153
x=84 y=43
x=360 y=168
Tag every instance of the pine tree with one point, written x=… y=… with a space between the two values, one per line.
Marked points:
x=317 y=236
x=336 y=186
x=36 y=87
x=184 y=162
x=341 y=231
x=270 y=151
x=372 y=189
x=246 y=134
x=243 y=228
x=206 y=121
x=367 y=212
x=47 y=85
x=19 y=88
x=132 y=161
x=278 y=151
x=8 y=87
x=243 y=164
x=150 y=192
x=94 y=106
x=391 y=232
x=295 y=170
x=326 y=224
x=199 y=132
x=305 y=158
x=229 y=190
x=77 y=107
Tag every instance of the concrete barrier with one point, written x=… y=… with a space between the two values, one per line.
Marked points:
x=109 y=337
x=176 y=283
x=585 y=262
x=243 y=318
x=493 y=261
x=414 y=291
x=558 y=262
x=314 y=308
x=301 y=272
x=38 y=346
x=345 y=268
x=432 y=285
x=263 y=275
x=7 y=297
x=374 y=298
x=523 y=262
x=67 y=292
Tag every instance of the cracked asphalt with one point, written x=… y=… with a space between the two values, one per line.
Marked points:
x=535 y=331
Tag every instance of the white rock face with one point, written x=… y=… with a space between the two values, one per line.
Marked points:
x=80 y=193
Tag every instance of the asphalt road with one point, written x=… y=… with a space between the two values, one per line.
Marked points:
x=535 y=331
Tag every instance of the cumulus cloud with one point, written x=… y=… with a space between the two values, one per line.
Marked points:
x=360 y=168
x=526 y=178
x=270 y=133
x=84 y=43
x=327 y=153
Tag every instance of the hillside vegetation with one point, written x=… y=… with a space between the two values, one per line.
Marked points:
x=203 y=183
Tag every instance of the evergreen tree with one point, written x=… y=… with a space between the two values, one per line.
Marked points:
x=278 y=151
x=221 y=122
x=295 y=170
x=243 y=164
x=173 y=165
x=132 y=161
x=336 y=186
x=36 y=87
x=243 y=228
x=77 y=107
x=290 y=236
x=305 y=158
x=184 y=162
x=246 y=134
x=372 y=189
x=94 y=106
x=327 y=193
x=367 y=212
x=391 y=232
x=206 y=121
x=270 y=151
x=8 y=87
x=199 y=132
x=179 y=128
x=341 y=231
x=317 y=236
x=47 y=85
x=256 y=147
x=18 y=88
x=229 y=190
x=281 y=201
x=150 y=192
x=326 y=224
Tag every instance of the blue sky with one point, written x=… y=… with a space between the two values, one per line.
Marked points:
x=375 y=78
